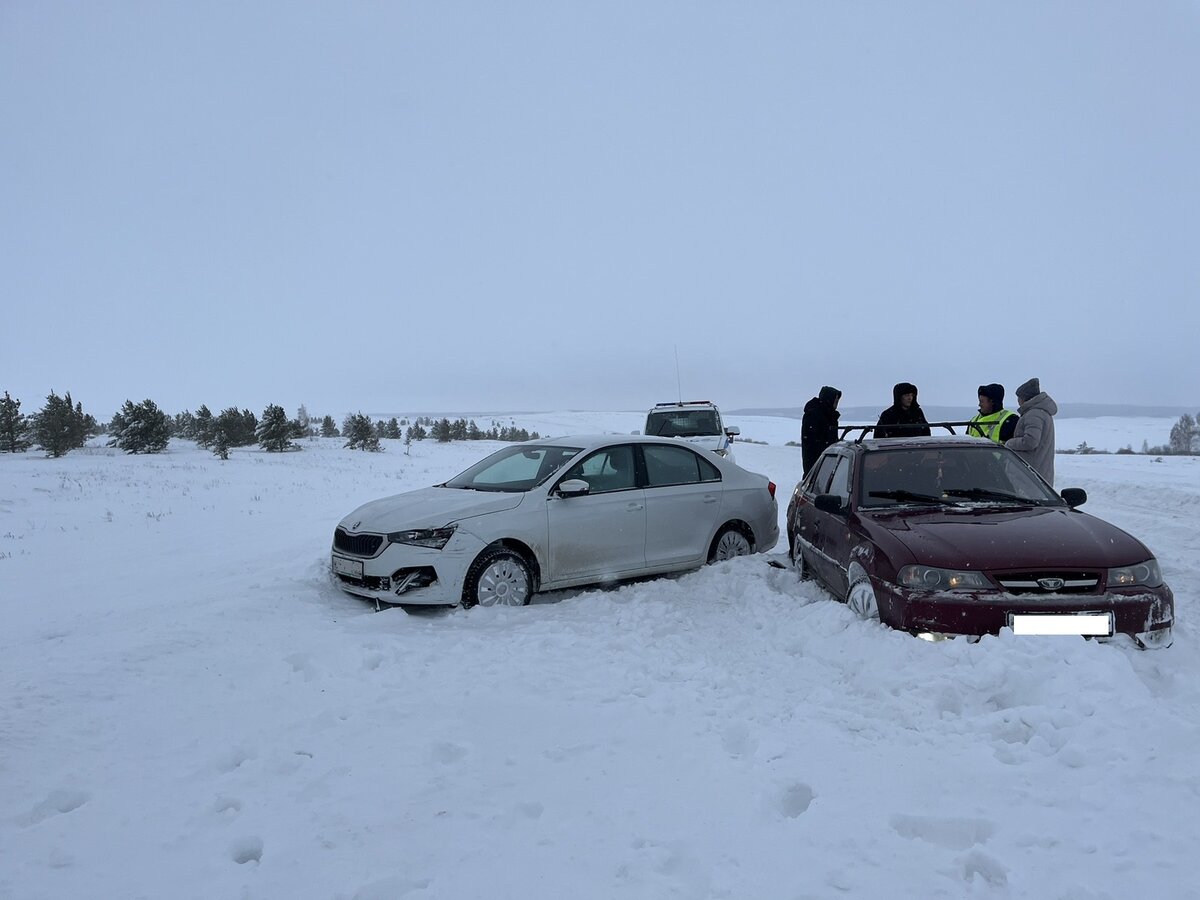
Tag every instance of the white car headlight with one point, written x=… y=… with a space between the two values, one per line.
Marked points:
x=1145 y=574
x=927 y=578
x=437 y=538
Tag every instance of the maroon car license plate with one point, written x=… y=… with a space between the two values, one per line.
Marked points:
x=1084 y=624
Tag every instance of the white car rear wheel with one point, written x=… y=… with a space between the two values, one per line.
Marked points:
x=730 y=543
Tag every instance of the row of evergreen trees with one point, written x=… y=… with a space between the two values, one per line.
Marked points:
x=58 y=427
x=61 y=426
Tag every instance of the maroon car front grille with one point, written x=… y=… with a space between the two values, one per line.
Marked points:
x=1049 y=582
x=356 y=544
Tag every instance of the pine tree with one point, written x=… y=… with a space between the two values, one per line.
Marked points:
x=185 y=425
x=249 y=432
x=59 y=427
x=240 y=426
x=140 y=428
x=328 y=428
x=360 y=433
x=392 y=431
x=303 y=422
x=13 y=424
x=274 y=431
x=219 y=441
x=441 y=431
x=204 y=427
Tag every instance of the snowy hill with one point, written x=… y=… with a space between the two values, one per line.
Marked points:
x=191 y=708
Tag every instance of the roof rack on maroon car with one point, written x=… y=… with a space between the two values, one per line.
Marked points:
x=865 y=430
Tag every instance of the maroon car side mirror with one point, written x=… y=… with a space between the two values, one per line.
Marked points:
x=830 y=503
x=1074 y=496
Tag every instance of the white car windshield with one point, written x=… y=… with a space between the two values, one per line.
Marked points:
x=683 y=423
x=513 y=469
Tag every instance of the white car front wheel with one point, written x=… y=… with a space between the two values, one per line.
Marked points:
x=499 y=577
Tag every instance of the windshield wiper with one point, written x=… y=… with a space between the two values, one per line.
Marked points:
x=985 y=494
x=911 y=497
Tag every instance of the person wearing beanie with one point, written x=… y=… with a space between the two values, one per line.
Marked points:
x=1033 y=439
x=818 y=428
x=993 y=421
x=904 y=418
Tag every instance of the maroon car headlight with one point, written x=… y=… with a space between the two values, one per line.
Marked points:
x=1145 y=574
x=927 y=578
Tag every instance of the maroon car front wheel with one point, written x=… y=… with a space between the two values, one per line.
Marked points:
x=861 y=596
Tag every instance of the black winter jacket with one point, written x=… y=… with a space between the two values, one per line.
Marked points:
x=818 y=428
x=896 y=421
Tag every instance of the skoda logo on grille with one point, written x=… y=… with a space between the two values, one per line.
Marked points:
x=1051 y=584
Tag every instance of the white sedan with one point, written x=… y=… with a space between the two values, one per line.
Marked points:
x=551 y=514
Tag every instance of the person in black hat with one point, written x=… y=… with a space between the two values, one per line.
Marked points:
x=904 y=418
x=818 y=428
x=993 y=421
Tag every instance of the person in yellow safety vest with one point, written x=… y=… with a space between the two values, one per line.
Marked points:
x=993 y=422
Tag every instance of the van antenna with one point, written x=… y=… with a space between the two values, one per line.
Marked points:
x=678 y=383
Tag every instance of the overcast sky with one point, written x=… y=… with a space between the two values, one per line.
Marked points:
x=414 y=206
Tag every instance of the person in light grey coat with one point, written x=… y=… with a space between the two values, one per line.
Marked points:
x=1034 y=438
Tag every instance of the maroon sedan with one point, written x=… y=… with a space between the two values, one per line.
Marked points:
x=945 y=536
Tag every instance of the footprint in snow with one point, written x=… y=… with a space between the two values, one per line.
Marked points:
x=246 y=850
x=227 y=807
x=391 y=888
x=976 y=863
x=233 y=759
x=56 y=803
x=950 y=833
x=447 y=753
x=736 y=741
x=795 y=800
x=301 y=664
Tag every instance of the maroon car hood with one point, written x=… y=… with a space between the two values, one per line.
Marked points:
x=1009 y=539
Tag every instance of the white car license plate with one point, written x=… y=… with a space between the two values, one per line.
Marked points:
x=351 y=567
x=1087 y=624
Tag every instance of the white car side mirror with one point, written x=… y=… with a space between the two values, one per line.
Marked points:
x=732 y=430
x=573 y=487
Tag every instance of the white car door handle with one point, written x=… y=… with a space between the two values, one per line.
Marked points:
x=709 y=498
x=634 y=507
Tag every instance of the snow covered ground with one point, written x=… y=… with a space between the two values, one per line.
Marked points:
x=190 y=709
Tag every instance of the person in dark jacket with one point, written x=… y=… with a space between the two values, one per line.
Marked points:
x=818 y=428
x=904 y=417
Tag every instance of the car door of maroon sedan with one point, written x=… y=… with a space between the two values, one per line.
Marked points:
x=834 y=536
x=821 y=534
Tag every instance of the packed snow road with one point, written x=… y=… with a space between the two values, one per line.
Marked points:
x=192 y=709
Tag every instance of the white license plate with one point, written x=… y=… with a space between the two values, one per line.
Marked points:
x=350 y=567
x=1086 y=624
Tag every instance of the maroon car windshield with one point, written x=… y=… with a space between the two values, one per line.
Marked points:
x=949 y=476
